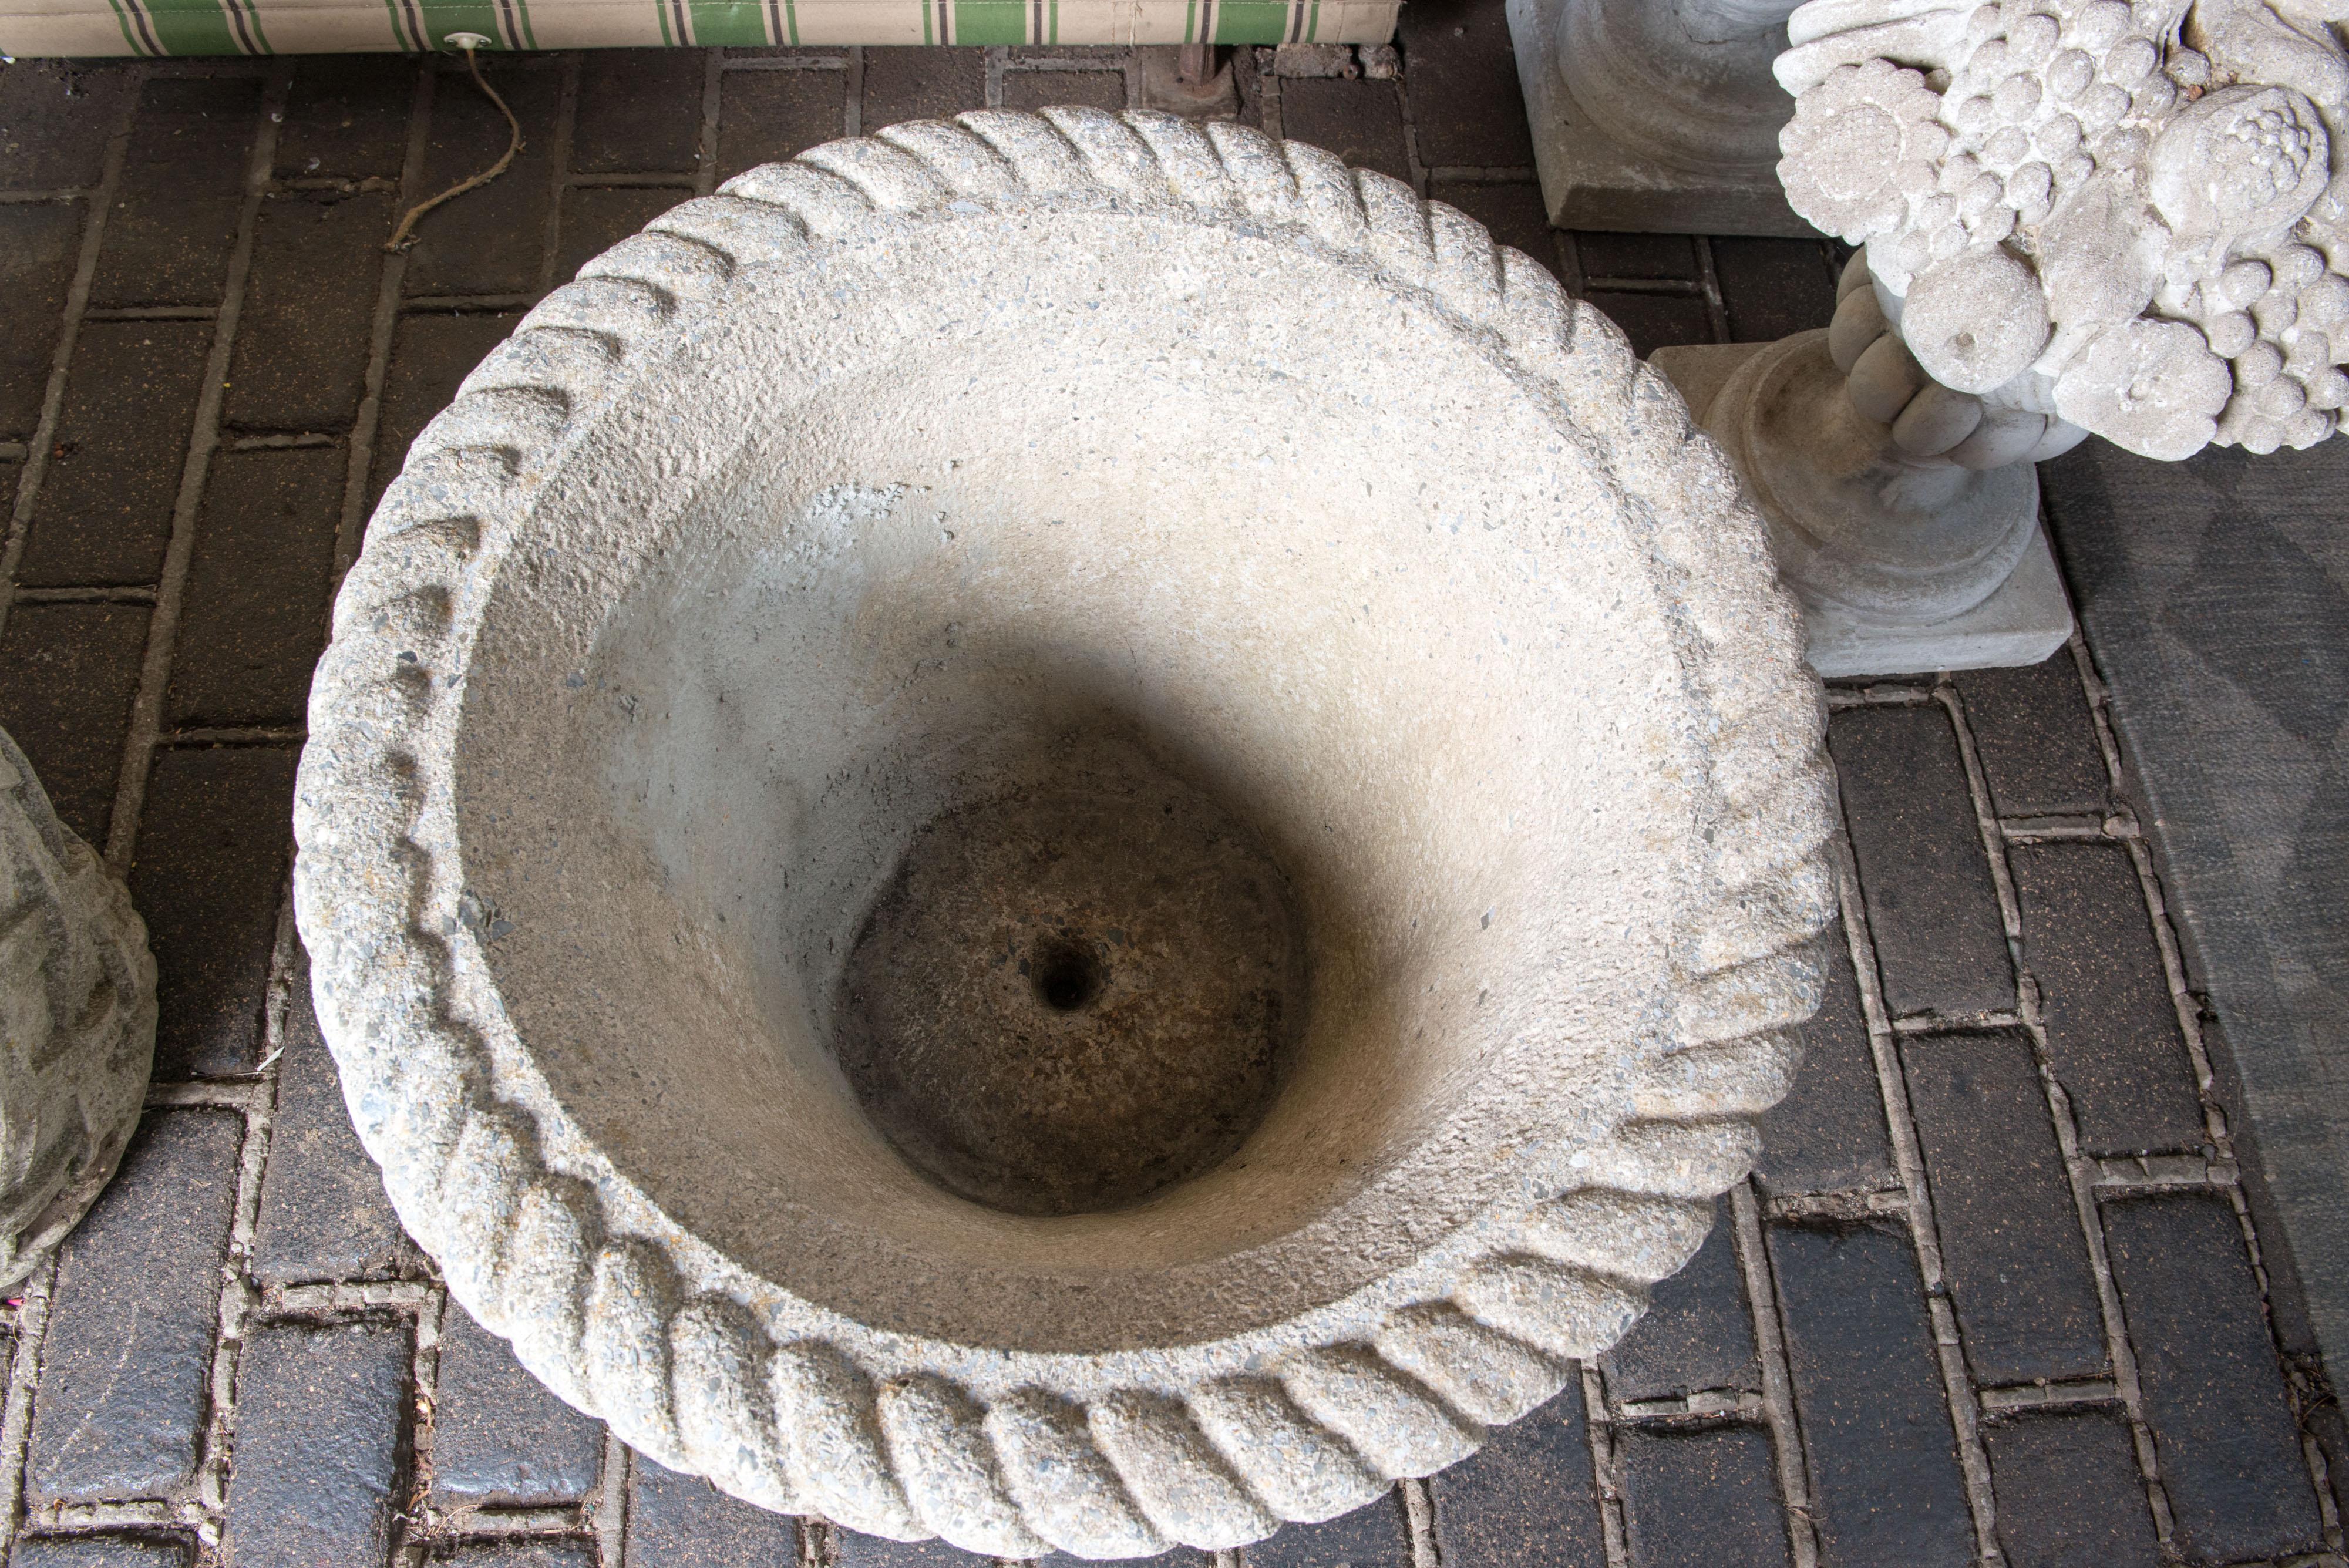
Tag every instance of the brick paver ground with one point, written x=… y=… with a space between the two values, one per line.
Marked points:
x=1996 y=1294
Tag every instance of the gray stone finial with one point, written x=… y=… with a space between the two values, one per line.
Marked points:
x=78 y=1004
x=2125 y=218
x=900 y=478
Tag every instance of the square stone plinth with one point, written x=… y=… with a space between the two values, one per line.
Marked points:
x=1592 y=180
x=2025 y=622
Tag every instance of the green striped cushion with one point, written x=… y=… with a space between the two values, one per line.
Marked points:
x=45 y=27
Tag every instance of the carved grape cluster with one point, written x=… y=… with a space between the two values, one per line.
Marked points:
x=2280 y=317
x=2132 y=179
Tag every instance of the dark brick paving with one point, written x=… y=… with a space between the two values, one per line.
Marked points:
x=1993 y=1296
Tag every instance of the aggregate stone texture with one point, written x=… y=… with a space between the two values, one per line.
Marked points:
x=79 y=1004
x=118 y=1353
x=1000 y=1404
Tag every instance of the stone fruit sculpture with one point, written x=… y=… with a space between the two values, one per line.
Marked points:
x=2120 y=221
x=2075 y=218
x=77 y=1001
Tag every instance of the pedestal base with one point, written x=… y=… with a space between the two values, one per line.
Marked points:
x=2024 y=622
x=1592 y=180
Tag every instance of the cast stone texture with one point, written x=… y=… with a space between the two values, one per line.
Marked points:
x=2072 y=1473
x=77 y=1005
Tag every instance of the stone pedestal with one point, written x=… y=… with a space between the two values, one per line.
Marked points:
x=2022 y=621
x=1652 y=115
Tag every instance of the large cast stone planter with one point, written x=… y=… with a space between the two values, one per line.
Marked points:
x=77 y=1005
x=1063 y=831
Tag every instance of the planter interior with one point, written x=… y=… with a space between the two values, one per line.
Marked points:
x=1094 y=643
x=1063 y=831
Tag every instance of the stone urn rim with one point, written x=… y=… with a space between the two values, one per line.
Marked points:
x=608 y=1299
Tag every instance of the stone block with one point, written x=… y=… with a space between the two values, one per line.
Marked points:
x=1701 y=1499
x=2223 y=1432
x=1828 y=1134
x=1940 y=944
x=1045 y=90
x=216 y=840
x=322 y=1212
x=2036 y=737
x=1696 y=1336
x=68 y=676
x=852 y=1549
x=906 y=82
x=683 y=1521
x=174 y=222
x=2112 y=1029
x=104 y=514
x=1466 y=104
x=1885 y=1482
x=2069 y=1493
x=100 y=1552
x=60 y=115
x=300 y=359
x=40 y=245
x=321 y=1441
x=254 y=618
x=1360 y=121
x=1377 y=1536
x=1654 y=321
x=346 y=117
x=1527 y=1499
x=536 y=1551
x=498 y=1435
x=1773 y=287
x=770 y=116
x=2011 y=1244
x=126 y=1365
x=1646 y=257
x=639 y=112
x=490 y=242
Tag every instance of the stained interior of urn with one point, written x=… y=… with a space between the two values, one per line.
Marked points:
x=988 y=870
x=1065 y=1001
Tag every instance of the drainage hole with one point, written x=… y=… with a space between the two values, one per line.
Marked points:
x=1065 y=973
